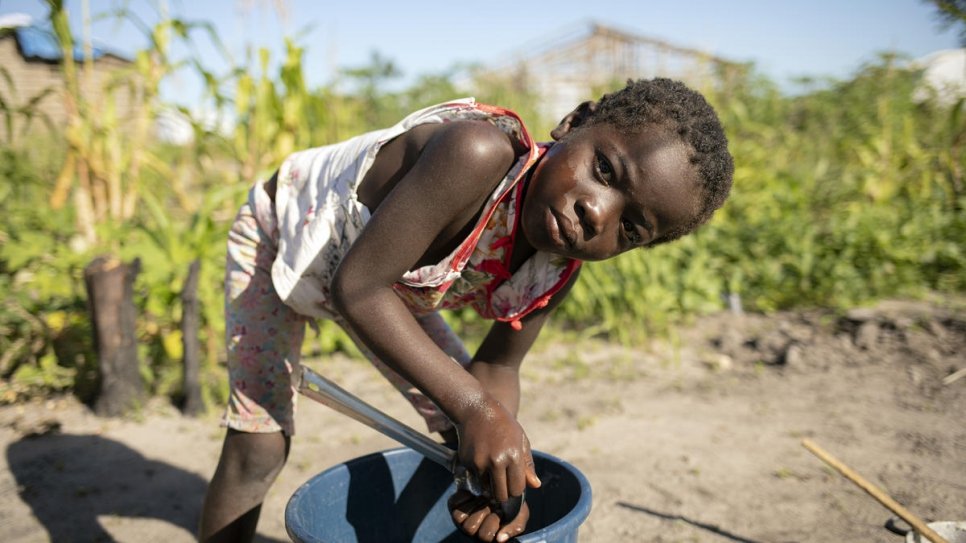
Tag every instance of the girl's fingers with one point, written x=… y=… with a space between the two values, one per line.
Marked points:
x=468 y=511
x=498 y=484
x=461 y=504
x=516 y=480
x=516 y=526
x=531 y=470
x=488 y=529
x=475 y=517
x=471 y=525
x=507 y=532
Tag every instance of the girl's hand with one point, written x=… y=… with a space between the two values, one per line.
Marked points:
x=477 y=516
x=494 y=447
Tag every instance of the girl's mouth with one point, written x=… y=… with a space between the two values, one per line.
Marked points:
x=559 y=231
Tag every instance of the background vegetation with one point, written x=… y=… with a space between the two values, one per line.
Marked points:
x=845 y=193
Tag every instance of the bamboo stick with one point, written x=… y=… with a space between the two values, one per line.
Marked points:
x=953 y=377
x=874 y=491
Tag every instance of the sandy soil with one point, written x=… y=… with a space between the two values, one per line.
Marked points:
x=696 y=438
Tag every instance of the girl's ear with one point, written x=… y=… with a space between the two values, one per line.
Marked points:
x=575 y=118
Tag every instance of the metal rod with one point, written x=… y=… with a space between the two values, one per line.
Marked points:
x=324 y=391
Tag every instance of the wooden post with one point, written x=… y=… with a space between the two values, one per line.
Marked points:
x=190 y=322
x=110 y=293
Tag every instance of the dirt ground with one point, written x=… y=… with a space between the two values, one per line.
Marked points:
x=694 y=438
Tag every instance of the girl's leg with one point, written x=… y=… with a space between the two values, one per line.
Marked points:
x=264 y=338
x=248 y=466
x=444 y=337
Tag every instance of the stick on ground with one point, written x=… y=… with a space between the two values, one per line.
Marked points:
x=874 y=491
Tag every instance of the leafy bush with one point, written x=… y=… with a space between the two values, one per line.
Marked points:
x=45 y=341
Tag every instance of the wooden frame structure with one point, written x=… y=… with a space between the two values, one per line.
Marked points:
x=581 y=63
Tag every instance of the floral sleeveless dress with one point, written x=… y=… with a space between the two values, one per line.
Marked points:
x=282 y=258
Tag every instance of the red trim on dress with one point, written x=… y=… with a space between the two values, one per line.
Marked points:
x=543 y=300
x=534 y=152
x=502 y=272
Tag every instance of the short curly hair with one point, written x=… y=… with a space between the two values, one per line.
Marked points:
x=673 y=105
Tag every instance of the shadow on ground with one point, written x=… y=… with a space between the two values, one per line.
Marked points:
x=70 y=480
x=681 y=518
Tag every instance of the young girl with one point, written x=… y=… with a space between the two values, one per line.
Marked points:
x=455 y=205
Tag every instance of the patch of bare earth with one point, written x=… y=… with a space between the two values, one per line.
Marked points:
x=696 y=438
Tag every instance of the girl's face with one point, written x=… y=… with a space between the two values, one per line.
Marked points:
x=599 y=192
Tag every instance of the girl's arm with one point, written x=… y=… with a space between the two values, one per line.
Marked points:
x=427 y=209
x=497 y=361
x=497 y=367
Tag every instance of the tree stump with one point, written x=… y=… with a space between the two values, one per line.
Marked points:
x=190 y=323
x=110 y=292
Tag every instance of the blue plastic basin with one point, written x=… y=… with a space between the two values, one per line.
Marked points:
x=399 y=496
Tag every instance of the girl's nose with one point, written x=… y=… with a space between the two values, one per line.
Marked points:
x=589 y=213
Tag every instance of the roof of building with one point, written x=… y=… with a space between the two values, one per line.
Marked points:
x=40 y=45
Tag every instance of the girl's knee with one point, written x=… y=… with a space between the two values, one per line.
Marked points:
x=255 y=457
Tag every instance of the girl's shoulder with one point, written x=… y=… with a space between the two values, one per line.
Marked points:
x=470 y=158
x=476 y=141
x=467 y=156
x=457 y=112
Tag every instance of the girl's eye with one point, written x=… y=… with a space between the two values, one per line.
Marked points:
x=604 y=170
x=631 y=232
